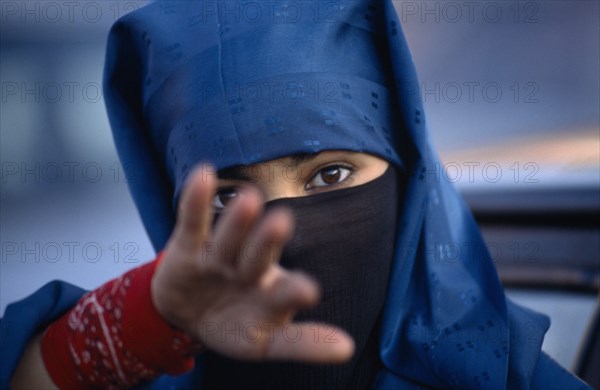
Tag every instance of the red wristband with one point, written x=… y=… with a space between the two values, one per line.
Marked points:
x=114 y=338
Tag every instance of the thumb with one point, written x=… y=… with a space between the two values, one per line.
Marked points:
x=311 y=342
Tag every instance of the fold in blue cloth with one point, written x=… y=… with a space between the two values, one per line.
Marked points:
x=241 y=82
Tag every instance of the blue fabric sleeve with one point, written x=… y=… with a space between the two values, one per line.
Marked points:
x=25 y=318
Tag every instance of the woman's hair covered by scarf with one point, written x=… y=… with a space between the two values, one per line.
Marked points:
x=240 y=82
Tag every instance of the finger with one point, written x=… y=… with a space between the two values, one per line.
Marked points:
x=194 y=215
x=293 y=291
x=235 y=224
x=265 y=245
x=311 y=342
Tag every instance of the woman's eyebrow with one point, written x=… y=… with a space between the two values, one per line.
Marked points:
x=247 y=173
x=240 y=173
x=300 y=158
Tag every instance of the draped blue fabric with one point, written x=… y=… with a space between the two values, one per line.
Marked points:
x=29 y=316
x=241 y=82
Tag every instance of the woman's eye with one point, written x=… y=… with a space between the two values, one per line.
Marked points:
x=329 y=176
x=223 y=197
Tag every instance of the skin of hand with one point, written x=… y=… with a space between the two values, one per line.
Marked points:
x=211 y=282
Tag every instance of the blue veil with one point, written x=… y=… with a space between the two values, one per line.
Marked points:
x=241 y=82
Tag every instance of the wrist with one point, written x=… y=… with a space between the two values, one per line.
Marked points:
x=167 y=299
x=148 y=334
x=172 y=290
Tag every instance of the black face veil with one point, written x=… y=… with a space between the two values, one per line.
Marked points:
x=344 y=239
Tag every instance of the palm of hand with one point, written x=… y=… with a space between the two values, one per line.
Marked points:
x=237 y=302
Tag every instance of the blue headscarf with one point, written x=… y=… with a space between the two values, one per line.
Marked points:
x=242 y=82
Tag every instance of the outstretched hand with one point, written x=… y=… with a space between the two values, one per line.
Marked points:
x=225 y=287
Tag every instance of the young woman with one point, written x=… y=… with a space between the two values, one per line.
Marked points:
x=309 y=247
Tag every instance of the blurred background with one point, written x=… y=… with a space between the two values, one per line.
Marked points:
x=511 y=92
